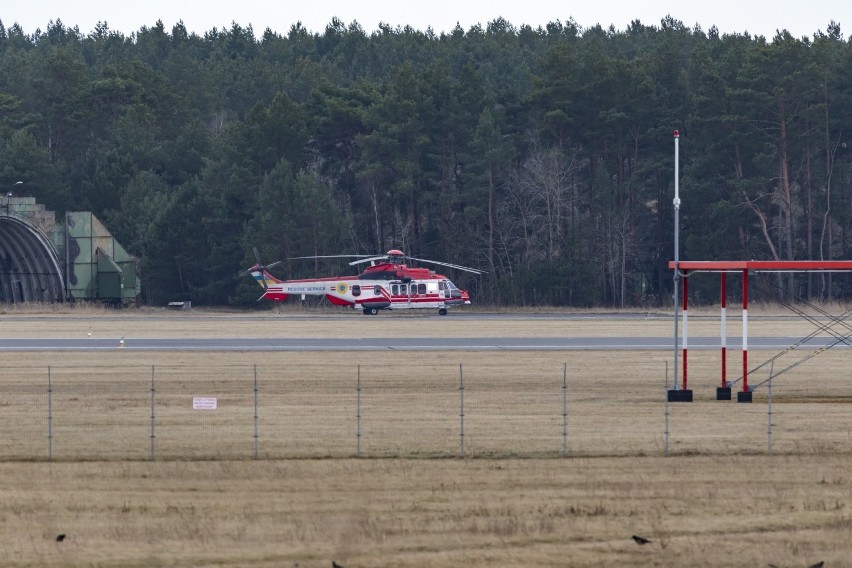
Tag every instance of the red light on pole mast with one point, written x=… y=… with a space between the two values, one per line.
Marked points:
x=676 y=134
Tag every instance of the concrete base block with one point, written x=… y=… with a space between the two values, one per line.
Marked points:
x=744 y=396
x=723 y=393
x=680 y=395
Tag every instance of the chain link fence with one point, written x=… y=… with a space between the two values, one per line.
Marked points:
x=173 y=412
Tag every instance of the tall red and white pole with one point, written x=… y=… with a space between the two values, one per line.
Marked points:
x=745 y=395
x=724 y=392
x=723 y=332
x=685 y=321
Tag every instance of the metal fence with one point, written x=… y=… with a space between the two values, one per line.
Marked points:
x=390 y=410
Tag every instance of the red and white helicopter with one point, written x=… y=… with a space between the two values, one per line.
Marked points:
x=387 y=284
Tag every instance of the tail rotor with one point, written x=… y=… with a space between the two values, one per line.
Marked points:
x=262 y=268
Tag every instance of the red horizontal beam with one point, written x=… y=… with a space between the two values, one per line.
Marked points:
x=779 y=265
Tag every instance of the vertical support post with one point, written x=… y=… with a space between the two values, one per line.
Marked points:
x=256 y=429
x=745 y=395
x=49 y=416
x=745 y=330
x=153 y=414
x=461 y=413
x=666 y=411
x=723 y=392
x=769 y=412
x=565 y=409
x=723 y=332
x=358 y=414
x=685 y=321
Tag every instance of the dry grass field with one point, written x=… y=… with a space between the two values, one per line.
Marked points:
x=698 y=511
x=719 y=499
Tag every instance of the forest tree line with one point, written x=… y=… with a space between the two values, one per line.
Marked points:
x=543 y=156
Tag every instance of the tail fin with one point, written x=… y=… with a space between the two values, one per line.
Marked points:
x=272 y=289
x=262 y=277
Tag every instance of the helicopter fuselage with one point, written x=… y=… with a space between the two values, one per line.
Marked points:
x=390 y=286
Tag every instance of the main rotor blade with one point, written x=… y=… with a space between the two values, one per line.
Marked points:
x=456 y=266
x=328 y=256
x=371 y=259
x=257 y=256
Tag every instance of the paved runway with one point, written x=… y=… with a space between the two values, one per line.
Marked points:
x=405 y=344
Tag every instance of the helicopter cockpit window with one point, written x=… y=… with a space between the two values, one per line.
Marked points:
x=356 y=289
x=442 y=285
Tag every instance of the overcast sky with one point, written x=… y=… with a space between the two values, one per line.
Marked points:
x=760 y=17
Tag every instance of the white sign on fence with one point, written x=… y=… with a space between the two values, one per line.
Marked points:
x=204 y=403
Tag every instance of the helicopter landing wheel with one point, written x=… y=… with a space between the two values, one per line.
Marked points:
x=442 y=312
x=370 y=311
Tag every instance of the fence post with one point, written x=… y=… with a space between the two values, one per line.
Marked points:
x=564 y=410
x=358 y=414
x=769 y=412
x=153 y=414
x=49 y=416
x=461 y=413
x=666 y=412
x=256 y=432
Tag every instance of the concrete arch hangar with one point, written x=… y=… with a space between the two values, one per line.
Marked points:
x=30 y=270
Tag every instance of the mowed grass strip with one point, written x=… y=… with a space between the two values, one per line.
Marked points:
x=410 y=404
x=318 y=323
